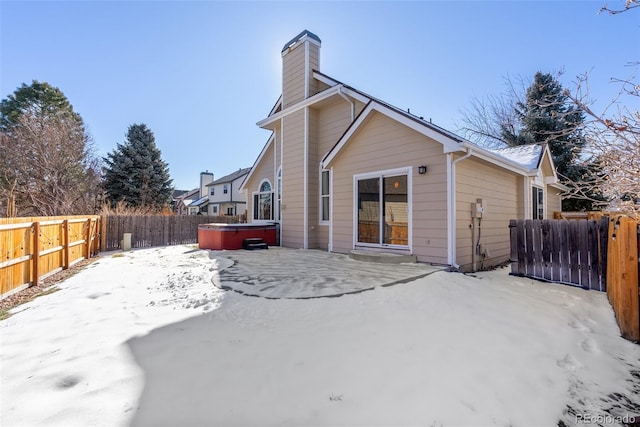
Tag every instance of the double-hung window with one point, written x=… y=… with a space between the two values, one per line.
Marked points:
x=324 y=196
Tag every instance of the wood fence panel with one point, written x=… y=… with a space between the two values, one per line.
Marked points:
x=521 y=248
x=583 y=254
x=593 y=240
x=35 y=247
x=565 y=258
x=528 y=241
x=559 y=251
x=536 y=240
x=622 y=275
x=556 y=254
x=574 y=270
x=158 y=230
x=547 y=249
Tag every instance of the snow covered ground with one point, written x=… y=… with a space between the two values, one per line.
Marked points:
x=143 y=338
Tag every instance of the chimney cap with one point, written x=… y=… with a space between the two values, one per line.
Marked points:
x=298 y=37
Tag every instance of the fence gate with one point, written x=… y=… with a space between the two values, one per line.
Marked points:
x=569 y=252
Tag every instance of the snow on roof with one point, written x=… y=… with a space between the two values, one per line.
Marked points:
x=525 y=155
x=200 y=201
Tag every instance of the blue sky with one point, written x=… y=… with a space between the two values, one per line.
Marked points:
x=201 y=74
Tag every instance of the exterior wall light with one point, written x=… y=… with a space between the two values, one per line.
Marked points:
x=422 y=169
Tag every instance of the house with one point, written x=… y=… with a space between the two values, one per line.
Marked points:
x=181 y=205
x=344 y=171
x=195 y=202
x=224 y=193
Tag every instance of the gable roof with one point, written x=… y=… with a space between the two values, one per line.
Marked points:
x=450 y=141
x=200 y=202
x=522 y=160
x=231 y=177
x=188 y=194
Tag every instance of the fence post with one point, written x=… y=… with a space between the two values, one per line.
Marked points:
x=103 y=233
x=87 y=242
x=65 y=242
x=36 y=253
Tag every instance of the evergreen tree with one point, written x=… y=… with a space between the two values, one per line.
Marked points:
x=547 y=116
x=135 y=172
x=46 y=166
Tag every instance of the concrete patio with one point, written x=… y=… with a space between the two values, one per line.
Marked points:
x=318 y=274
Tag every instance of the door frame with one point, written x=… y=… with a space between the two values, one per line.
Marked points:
x=407 y=171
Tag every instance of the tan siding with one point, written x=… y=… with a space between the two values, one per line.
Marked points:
x=293 y=71
x=293 y=181
x=381 y=144
x=314 y=64
x=554 y=202
x=262 y=170
x=500 y=191
x=333 y=120
x=312 y=191
x=318 y=87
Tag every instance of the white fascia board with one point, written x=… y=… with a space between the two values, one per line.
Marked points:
x=264 y=123
x=449 y=145
x=275 y=107
x=345 y=90
x=355 y=95
x=546 y=152
x=559 y=186
x=324 y=79
x=253 y=168
x=497 y=160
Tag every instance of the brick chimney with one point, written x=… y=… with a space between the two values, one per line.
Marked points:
x=300 y=56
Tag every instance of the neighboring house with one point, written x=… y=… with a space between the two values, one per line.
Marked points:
x=176 y=196
x=225 y=197
x=343 y=170
x=184 y=200
x=196 y=201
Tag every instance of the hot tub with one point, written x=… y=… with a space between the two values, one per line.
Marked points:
x=230 y=236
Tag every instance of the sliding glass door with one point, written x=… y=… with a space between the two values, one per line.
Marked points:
x=383 y=210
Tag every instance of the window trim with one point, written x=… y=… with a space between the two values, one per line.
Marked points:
x=322 y=196
x=255 y=197
x=538 y=192
x=381 y=174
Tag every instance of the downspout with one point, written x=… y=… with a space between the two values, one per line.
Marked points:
x=353 y=105
x=452 y=217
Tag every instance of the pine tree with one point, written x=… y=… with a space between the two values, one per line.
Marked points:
x=548 y=117
x=135 y=172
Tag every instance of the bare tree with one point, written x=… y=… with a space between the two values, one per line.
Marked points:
x=48 y=165
x=613 y=143
x=629 y=4
x=486 y=119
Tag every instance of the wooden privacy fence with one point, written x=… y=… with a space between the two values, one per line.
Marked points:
x=157 y=230
x=569 y=252
x=622 y=274
x=597 y=254
x=35 y=247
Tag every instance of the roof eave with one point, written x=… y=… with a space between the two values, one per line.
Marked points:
x=264 y=123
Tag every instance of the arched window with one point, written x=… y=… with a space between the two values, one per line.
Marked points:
x=263 y=202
